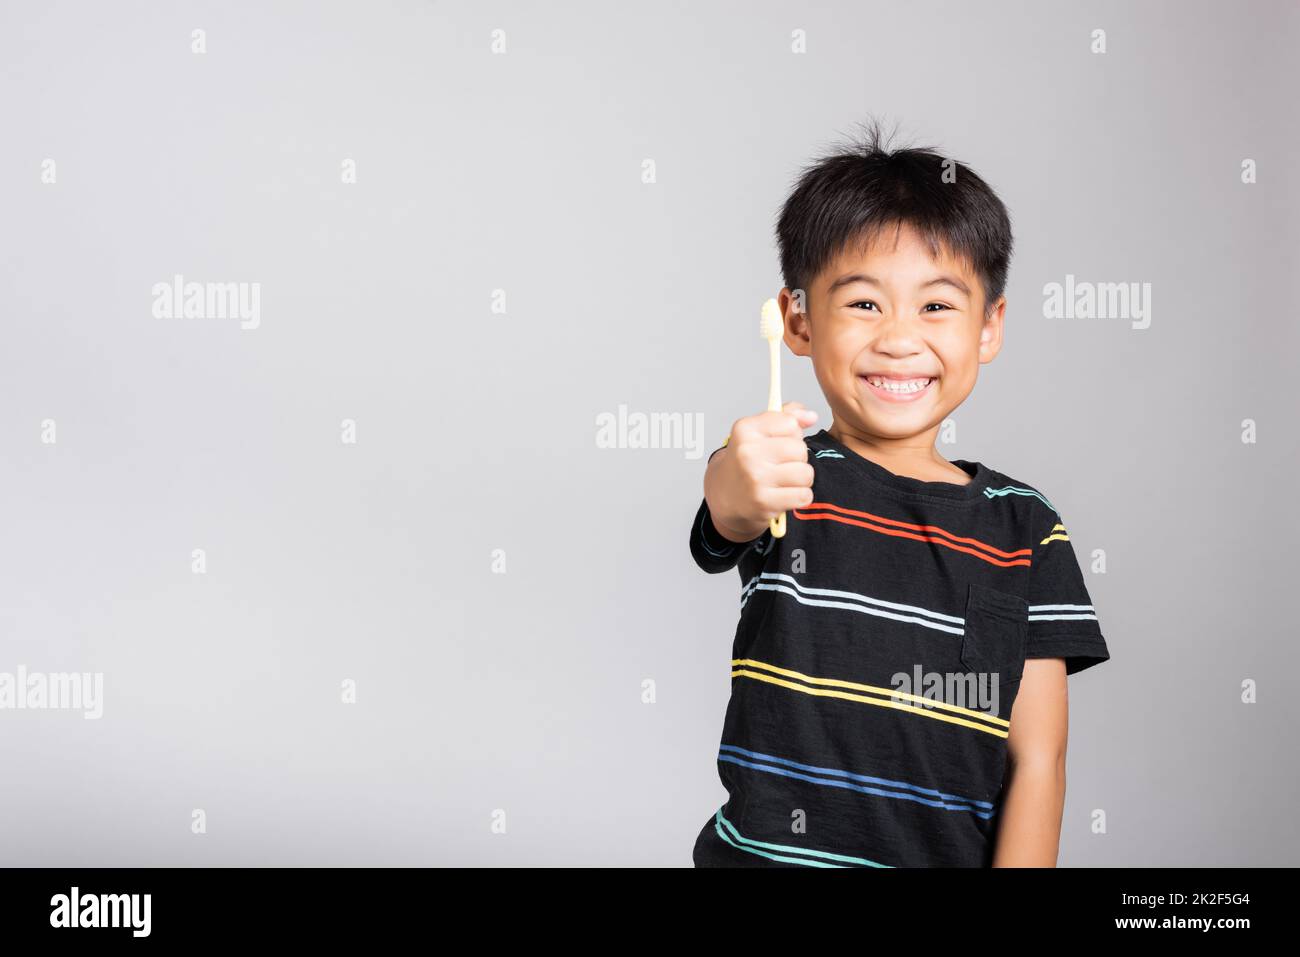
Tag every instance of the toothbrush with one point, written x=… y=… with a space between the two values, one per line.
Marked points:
x=770 y=327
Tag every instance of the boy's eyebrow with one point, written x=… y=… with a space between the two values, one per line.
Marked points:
x=944 y=280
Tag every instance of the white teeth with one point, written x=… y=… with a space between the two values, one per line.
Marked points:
x=899 y=385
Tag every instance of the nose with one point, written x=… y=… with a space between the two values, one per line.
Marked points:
x=898 y=337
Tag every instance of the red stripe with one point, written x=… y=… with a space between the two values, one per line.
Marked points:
x=928 y=533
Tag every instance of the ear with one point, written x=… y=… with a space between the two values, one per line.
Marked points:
x=798 y=330
x=991 y=331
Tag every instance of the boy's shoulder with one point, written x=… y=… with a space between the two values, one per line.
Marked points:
x=1000 y=485
x=1029 y=504
x=1019 y=498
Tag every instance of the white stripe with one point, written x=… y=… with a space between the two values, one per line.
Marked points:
x=1060 y=608
x=1063 y=618
x=865 y=607
x=833 y=593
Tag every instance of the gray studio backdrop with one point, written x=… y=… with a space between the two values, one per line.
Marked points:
x=361 y=581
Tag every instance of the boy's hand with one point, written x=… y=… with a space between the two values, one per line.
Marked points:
x=762 y=471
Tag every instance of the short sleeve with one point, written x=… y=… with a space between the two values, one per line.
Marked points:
x=1062 y=620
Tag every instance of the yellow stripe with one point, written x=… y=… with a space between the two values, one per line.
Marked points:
x=927 y=711
x=876 y=701
x=1054 y=537
x=873 y=689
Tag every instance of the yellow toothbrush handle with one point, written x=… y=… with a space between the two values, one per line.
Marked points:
x=777 y=524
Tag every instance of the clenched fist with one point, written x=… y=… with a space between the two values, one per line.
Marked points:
x=762 y=472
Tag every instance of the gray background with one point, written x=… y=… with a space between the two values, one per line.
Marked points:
x=476 y=431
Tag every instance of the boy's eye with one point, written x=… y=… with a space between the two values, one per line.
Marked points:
x=868 y=304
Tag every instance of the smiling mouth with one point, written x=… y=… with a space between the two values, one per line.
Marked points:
x=897 y=385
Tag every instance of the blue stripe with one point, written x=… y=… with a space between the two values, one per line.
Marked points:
x=964 y=804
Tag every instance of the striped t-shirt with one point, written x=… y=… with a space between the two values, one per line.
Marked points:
x=879 y=650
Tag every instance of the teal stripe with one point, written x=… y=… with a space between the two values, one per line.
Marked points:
x=753 y=846
x=1013 y=490
x=772 y=857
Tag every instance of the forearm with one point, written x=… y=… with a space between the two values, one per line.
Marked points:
x=715 y=547
x=1029 y=830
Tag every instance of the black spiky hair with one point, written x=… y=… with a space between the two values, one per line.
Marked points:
x=853 y=193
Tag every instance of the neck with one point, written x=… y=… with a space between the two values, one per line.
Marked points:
x=904 y=455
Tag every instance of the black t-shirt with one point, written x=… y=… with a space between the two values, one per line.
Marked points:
x=879 y=650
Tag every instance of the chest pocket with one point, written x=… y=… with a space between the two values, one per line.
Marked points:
x=993 y=639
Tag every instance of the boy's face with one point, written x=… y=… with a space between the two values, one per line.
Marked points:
x=894 y=311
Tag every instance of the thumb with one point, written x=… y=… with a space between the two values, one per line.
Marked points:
x=798 y=411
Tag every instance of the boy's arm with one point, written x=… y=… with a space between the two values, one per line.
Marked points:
x=1063 y=638
x=712 y=550
x=764 y=471
x=1029 y=823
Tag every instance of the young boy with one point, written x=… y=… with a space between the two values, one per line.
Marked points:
x=898 y=693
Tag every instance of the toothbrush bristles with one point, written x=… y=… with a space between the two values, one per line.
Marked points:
x=771 y=326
